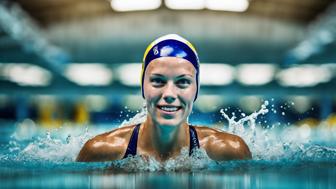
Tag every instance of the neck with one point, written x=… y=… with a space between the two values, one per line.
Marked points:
x=165 y=140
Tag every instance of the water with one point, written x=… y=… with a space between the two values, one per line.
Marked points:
x=283 y=157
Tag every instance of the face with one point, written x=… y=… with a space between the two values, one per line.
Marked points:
x=169 y=89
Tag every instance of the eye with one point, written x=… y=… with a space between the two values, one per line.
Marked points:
x=157 y=81
x=183 y=83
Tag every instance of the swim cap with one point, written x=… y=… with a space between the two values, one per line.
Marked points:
x=170 y=45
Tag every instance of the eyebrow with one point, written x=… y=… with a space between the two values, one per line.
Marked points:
x=155 y=74
x=183 y=75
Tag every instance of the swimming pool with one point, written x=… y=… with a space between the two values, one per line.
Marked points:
x=283 y=157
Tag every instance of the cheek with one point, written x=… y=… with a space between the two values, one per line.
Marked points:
x=189 y=94
x=188 y=100
x=148 y=92
x=151 y=95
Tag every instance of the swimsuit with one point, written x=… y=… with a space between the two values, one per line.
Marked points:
x=132 y=145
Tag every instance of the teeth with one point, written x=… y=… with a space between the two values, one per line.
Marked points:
x=168 y=109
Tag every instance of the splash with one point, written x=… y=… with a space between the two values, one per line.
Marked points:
x=237 y=127
x=30 y=146
x=58 y=145
x=140 y=117
x=197 y=161
x=53 y=149
x=281 y=143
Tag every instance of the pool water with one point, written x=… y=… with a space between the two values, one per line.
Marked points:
x=283 y=157
x=305 y=176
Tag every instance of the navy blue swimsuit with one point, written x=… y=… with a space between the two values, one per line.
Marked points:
x=132 y=145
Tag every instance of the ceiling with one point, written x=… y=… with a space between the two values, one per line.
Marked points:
x=55 y=33
x=48 y=12
x=90 y=31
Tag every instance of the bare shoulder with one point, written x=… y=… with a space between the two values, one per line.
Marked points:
x=221 y=145
x=107 y=146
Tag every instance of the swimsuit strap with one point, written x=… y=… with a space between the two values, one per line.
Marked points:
x=132 y=145
x=194 y=143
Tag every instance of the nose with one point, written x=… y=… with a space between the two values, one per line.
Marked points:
x=169 y=93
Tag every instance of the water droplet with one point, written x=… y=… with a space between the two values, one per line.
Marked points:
x=68 y=139
x=266 y=103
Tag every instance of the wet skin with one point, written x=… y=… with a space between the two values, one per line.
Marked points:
x=169 y=89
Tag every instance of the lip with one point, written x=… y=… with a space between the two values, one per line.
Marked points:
x=167 y=112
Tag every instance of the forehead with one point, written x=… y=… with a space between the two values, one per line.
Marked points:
x=167 y=65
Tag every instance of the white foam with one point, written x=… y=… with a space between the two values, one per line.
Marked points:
x=277 y=143
x=138 y=118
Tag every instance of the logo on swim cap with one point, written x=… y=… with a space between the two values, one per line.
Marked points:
x=156 y=51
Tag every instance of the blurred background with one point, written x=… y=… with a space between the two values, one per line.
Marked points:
x=78 y=62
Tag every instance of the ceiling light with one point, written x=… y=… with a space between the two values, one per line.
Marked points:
x=250 y=104
x=227 y=5
x=26 y=74
x=216 y=74
x=135 y=5
x=304 y=76
x=301 y=103
x=89 y=74
x=129 y=74
x=133 y=102
x=185 y=4
x=255 y=74
x=96 y=103
x=208 y=103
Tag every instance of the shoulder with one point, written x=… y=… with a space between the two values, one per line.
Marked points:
x=221 y=145
x=107 y=146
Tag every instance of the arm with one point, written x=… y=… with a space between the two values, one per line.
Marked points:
x=106 y=147
x=87 y=153
x=224 y=146
x=97 y=149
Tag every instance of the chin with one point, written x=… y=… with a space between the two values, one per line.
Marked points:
x=169 y=123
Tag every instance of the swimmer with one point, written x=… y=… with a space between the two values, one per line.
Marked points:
x=170 y=85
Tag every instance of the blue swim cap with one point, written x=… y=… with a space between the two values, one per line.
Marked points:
x=170 y=45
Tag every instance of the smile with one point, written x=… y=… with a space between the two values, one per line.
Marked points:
x=169 y=108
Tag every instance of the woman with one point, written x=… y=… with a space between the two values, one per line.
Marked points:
x=170 y=84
